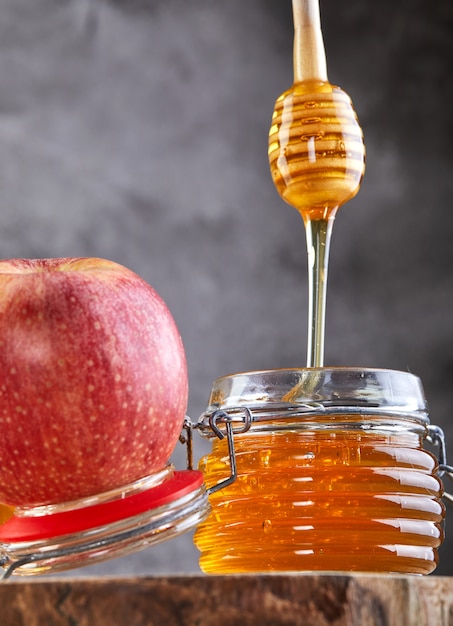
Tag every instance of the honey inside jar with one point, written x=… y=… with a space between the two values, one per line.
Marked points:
x=336 y=492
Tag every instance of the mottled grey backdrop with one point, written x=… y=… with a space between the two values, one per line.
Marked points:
x=136 y=130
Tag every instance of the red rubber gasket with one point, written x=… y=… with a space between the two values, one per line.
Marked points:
x=17 y=529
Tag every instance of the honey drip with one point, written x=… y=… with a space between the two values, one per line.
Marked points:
x=322 y=501
x=316 y=156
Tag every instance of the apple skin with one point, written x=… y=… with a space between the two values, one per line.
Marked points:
x=93 y=379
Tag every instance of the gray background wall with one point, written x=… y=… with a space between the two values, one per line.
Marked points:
x=136 y=130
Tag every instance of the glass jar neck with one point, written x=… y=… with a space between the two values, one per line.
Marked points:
x=352 y=398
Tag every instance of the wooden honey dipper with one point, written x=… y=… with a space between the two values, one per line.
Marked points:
x=317 y=157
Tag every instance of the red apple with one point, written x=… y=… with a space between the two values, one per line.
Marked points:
x=93 y=379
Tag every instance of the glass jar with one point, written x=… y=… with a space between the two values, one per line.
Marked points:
x=331 y=471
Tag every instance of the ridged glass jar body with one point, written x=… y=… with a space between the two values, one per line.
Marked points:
x=324 y=485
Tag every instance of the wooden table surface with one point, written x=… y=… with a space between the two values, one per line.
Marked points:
x=264 y=600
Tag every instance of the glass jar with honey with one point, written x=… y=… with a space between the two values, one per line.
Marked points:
x=332 y=474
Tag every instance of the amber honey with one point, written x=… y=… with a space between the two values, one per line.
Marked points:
x=316 y=150
x=324 y=492
x=5 y=512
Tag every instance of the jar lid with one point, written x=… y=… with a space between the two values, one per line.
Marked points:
x=325 y=390
x=55 y=541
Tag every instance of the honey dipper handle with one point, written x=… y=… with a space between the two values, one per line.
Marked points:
x=309 y=53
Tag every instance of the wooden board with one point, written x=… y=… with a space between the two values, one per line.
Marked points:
x=287 y=600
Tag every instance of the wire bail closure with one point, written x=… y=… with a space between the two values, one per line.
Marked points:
x=436 y=437
x=217 y=419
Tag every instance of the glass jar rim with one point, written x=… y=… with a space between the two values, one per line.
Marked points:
x=322 y=390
